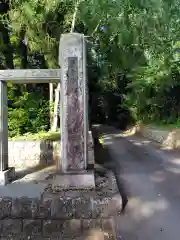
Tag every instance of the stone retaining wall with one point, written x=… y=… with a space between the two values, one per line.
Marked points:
x=57 y=229
x=167 y=137
x=62 y=214
x=29 y=154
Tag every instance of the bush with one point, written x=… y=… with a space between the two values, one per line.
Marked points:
x=28 y=113
x=18 y=122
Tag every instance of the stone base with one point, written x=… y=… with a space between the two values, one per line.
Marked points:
x=7 y=176
x=80 y=229
x=90 y=166
x=91 y=161
x=73 y=180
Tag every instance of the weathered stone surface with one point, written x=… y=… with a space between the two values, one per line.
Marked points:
x=80 y=193
x=23 y=237
x=92 y=229
x=64 y=229
x=26 y=154
x=73 y=193
x=24 y=208
x=53 y=228
x=106 y=184
x=72 y=228
x=168 y=138
x=15 y=237
x=90 y=224
x=108 y=229
x=50 y=195
x=7 y=176
x=98 y=229
x=4 y=132
x=44 y=208
x=16 y=208
x=104 y=207
x=30 y=75
x=83 y=207
x=61 y=208
x=34 y=207
x=5 y=207
x=28 y=207
x=74 y=125
x=82 y=214
x=10 y=227
x=82 y=180
x=90 y=159
x=56 y=230
x=115 y=205
x=32 y=227
x=101 y=207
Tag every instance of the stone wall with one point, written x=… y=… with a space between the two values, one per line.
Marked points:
x=28 y=154
x=167 y=137
x=61 y=214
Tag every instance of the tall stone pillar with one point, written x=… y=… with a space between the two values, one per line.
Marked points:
x=5 y=173
x=74 y=105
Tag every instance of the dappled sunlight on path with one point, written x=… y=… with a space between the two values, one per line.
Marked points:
x=149 y=175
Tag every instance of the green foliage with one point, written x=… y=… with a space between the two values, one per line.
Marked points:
x=140 y=42
x=18 y=121
x=28 y=114
x=133 y=57
x=42 y=135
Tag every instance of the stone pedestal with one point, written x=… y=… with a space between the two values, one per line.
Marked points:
x=7 y=176
x=83 y=180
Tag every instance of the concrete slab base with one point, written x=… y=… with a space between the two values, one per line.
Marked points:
x=73 y=180
x=20 y=190
x=7 y=176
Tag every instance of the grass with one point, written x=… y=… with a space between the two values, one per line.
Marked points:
x=166 y=125
x=163 y=125
x=53 y=136
x=101 y=140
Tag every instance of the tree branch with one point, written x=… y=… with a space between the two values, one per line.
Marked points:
x=96 y=28
x=74 y=16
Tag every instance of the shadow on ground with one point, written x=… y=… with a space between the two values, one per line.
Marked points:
x=103 y=158
x=150 y=177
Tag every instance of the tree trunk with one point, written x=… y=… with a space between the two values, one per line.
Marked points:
x=56 y=104
x=8 y=51
x=51 y=99
x=23 y=53
x=74 y=16
x=23 y=48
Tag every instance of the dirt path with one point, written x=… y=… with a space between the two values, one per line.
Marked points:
x=150 y=178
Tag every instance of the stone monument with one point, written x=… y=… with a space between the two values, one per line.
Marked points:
x=73 y=112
